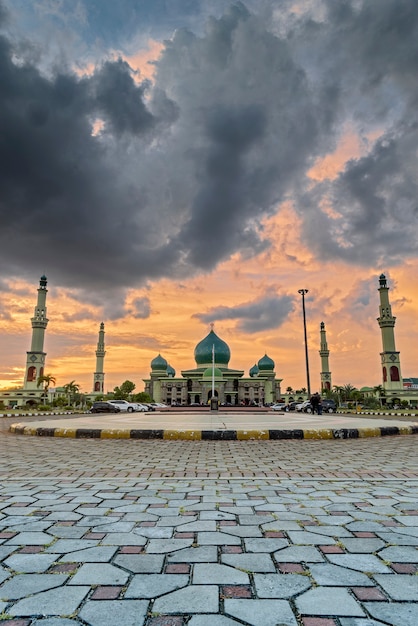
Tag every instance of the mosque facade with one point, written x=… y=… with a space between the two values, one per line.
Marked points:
x=212 y=376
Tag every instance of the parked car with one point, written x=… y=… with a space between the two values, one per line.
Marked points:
x=304 y=407
x=104 y=407
x=124 y=405
x=280 y=406
x=292 y=406
x=142 y=407
x=329 y=406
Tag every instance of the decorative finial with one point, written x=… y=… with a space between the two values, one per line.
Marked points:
x=211 y=326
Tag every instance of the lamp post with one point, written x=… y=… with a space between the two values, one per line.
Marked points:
x=303 y=292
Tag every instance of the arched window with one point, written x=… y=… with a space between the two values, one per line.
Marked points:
x=385 y=375
x=327 y=385
x=394 y=373
x=31 y=374
x=97 y=386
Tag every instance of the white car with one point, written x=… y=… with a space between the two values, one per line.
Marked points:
x=304 y=407
x=126 y=406
x=142 y=407
x=280 y=406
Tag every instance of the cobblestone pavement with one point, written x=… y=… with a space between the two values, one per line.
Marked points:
x=169 y=533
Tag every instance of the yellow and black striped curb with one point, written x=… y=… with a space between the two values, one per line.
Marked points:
x=214 y=435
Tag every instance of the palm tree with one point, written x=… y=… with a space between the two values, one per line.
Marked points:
x=46 y=380
x=71 y=389
x=380 y=392
x=289 y=390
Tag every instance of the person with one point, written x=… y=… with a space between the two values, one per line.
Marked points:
x=316 y=403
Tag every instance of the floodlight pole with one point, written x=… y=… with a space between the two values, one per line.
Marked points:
x=303 y=292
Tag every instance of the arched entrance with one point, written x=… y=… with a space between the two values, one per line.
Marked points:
x=216 y=395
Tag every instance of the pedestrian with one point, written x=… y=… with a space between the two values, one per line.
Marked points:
x=315 y=402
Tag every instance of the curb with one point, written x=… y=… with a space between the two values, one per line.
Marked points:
x=215 y=435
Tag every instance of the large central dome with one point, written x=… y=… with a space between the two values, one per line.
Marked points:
x=203 y=351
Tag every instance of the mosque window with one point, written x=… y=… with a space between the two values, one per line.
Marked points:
x=385 y=375
x=394 y=373
x=31 y=374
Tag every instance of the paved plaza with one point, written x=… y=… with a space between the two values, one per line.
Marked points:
x=125 y=532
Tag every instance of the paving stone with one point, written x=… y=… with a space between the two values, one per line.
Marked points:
x=70 y=545
x=358 y=621
x=250 y=562
x=216 y=515
x=207 y=525
x=109 y=612
x=192 y=599
x=328 y=575
x=328 y=601
x=399 y=554
x=265 y=544
x=217 y=539
x=398 y=538
x=29 y=563
x=55 y=621
x=99 y=574
x=30 y=538
x=360 y=562
x=261 y=612
x=394 y=613
x=280 y=585
x=23 y=585
x=200 y=554
x=160 y=546
x=243 y=531
x=304 y=537
x=141 y=563
x=61 y=601
x=155 y=585
x=299 y=554
x=123 y=539
x=102 y=554
x=214 y=573
x=211 y=620
x=154 y=532
x=330 y=530
x=402 y=587
x=364 y=546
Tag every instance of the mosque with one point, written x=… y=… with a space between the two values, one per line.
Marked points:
x=212 y=376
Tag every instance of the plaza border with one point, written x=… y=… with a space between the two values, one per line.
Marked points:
x=215 y=435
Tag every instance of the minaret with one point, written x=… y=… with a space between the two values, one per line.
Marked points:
x=324 y=354
x=98 y=381
x=391 y=366
x=35 y=360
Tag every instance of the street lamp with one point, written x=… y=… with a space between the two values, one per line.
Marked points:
x=303 y=292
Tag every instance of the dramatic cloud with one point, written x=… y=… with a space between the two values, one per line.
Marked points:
x=253 y=317
x=107 y=181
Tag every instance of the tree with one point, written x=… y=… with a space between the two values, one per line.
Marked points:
x=122 y=392
x=71 y=389
x=46 y=380
x=289 y=389
x=142 y=396
x=380 y=392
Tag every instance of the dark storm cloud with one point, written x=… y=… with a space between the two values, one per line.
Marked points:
x=375 y=197
x=186 y=169
x=268 y=313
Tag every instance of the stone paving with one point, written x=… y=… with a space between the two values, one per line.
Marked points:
x=106 y=532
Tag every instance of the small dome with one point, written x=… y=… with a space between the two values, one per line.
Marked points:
x=159 y=364
x=171 y=371
x=266 y=364
x=254 y=370
x=208 y=373
x=203 y=350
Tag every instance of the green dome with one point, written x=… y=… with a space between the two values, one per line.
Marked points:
x=266 y=364
x=159 y=364
x=254 y=370
x=208 y=373
x=203 y=351
x=171 y=371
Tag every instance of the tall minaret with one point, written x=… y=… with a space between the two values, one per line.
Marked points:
x=391 y=366
x=324 y=354
x=98 y=381
x=35 y=360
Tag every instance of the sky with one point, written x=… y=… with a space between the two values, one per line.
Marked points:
x=169 y=164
